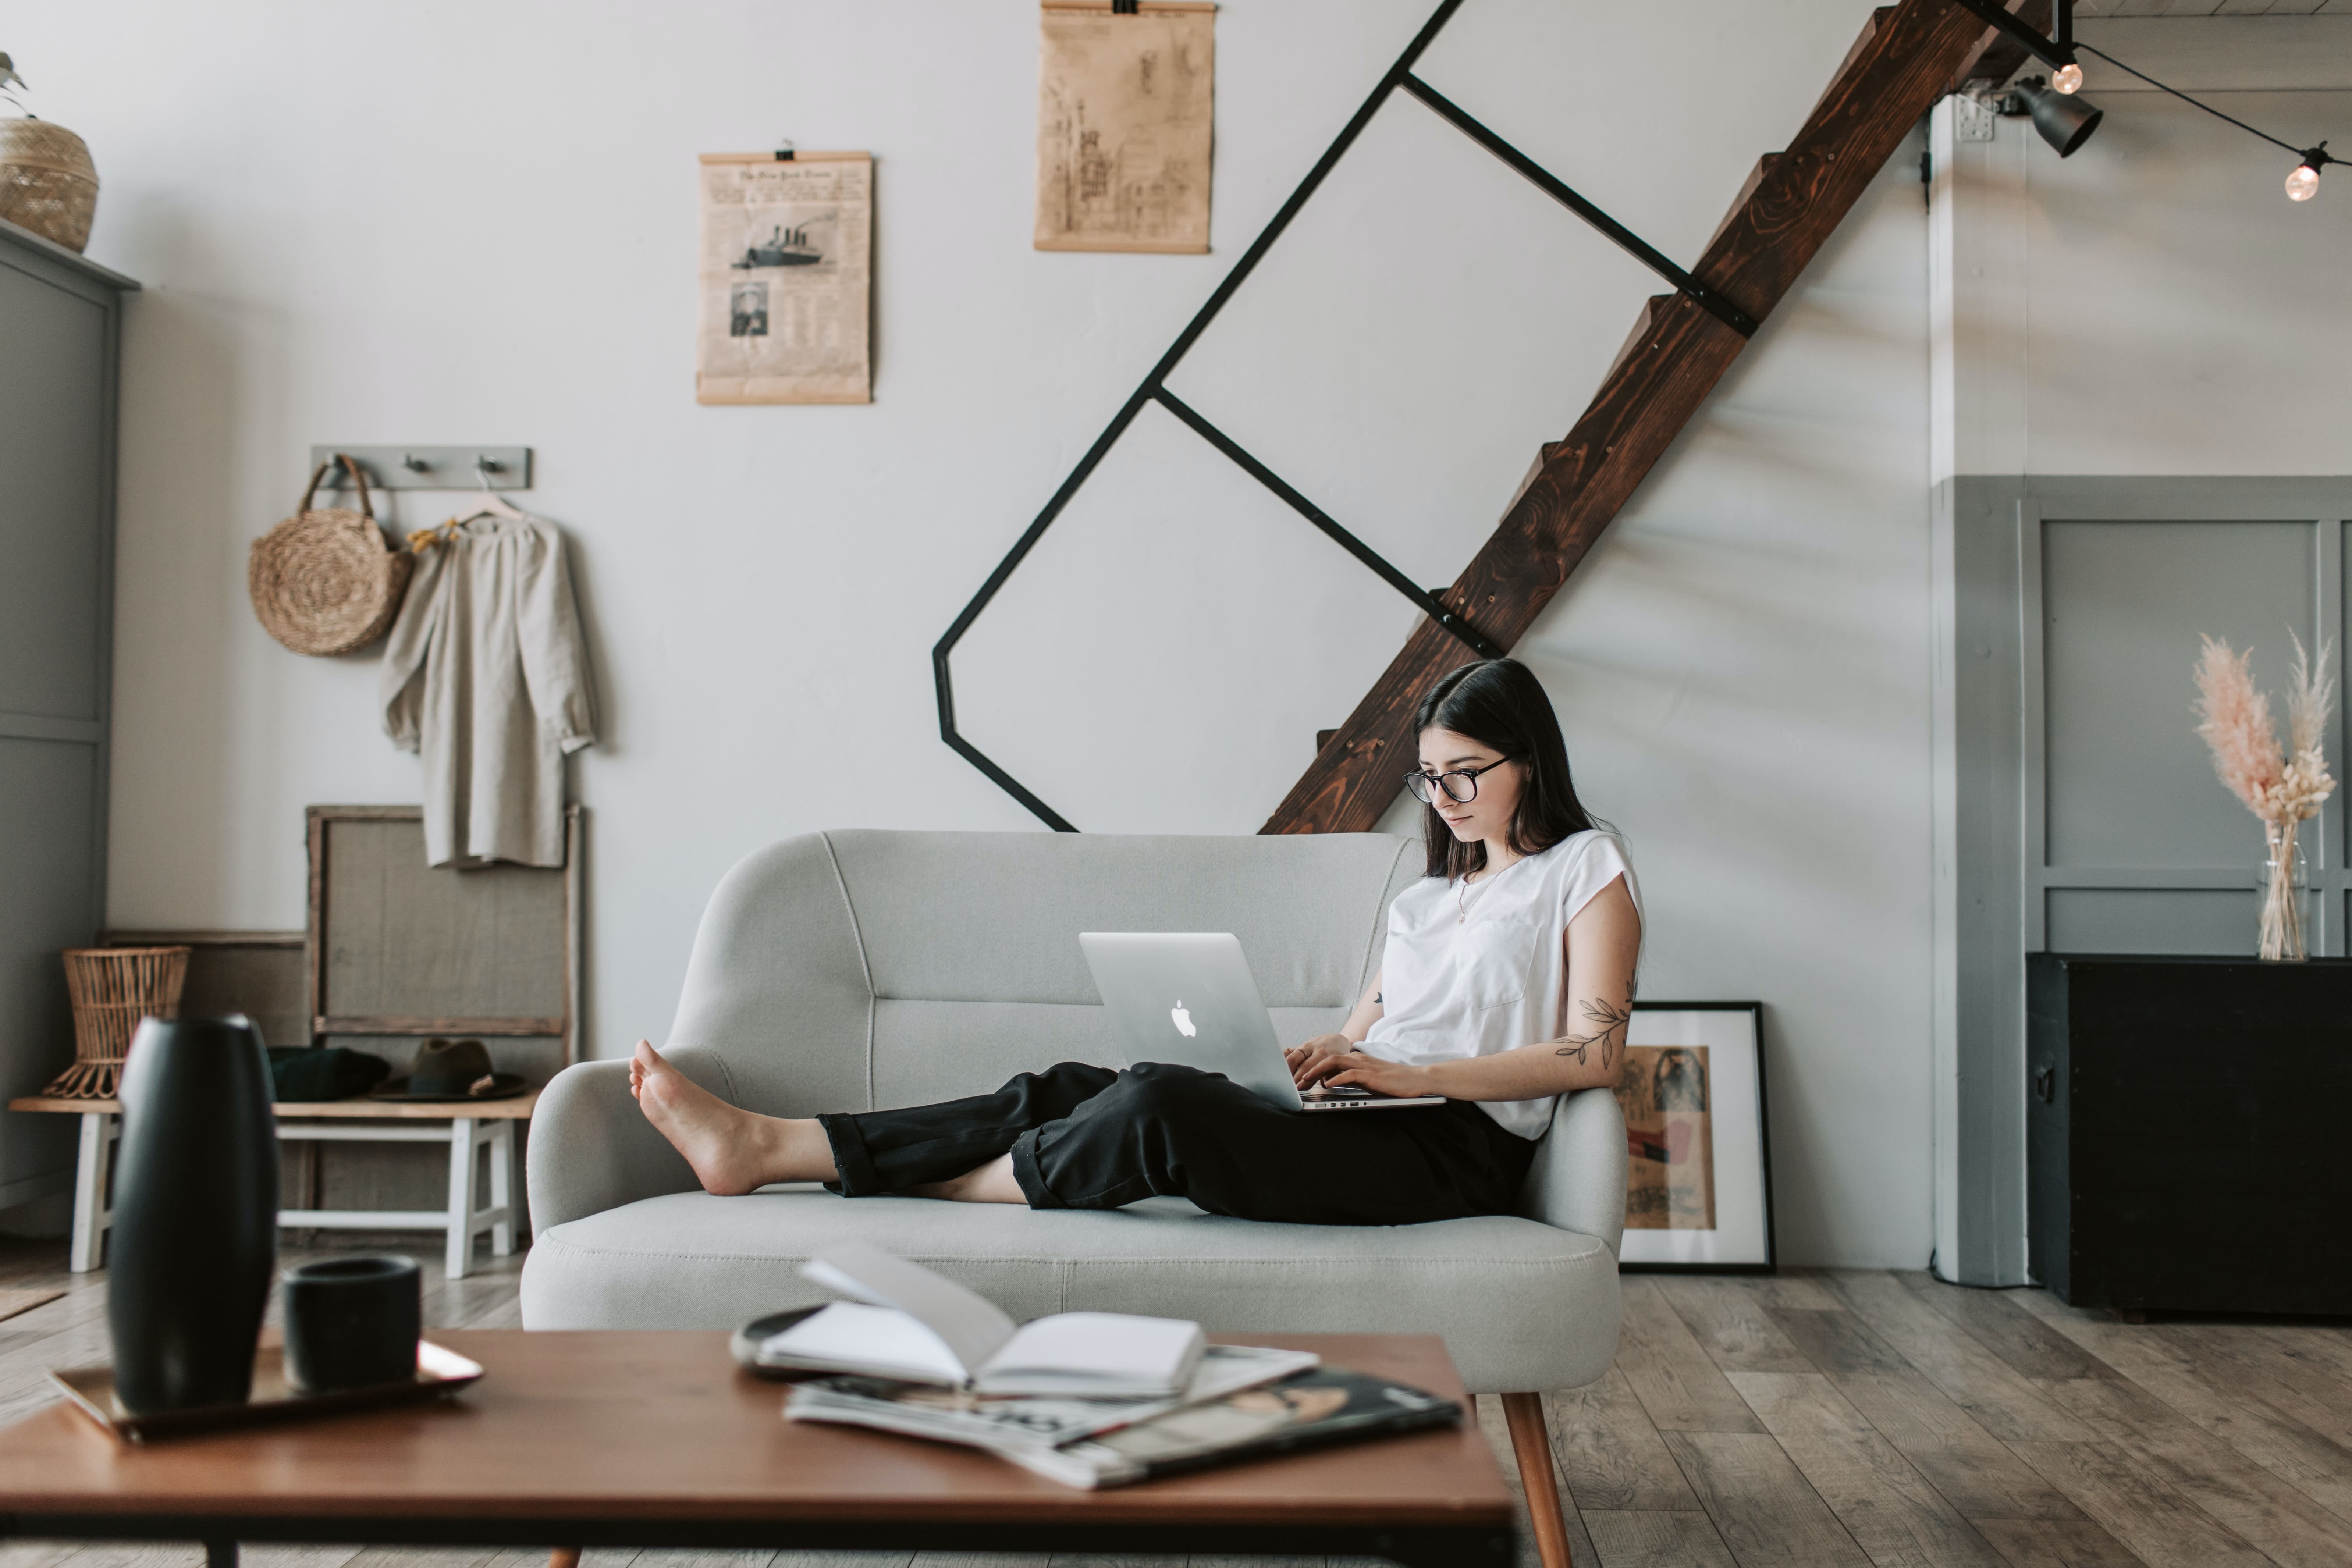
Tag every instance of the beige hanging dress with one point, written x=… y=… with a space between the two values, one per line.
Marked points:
x=486 y=676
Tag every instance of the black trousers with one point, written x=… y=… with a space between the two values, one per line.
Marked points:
x=1088 y=1138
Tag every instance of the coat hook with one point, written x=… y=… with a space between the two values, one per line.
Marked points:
x=414 y=464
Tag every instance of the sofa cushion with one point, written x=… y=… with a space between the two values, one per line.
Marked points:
x=1521 y=1305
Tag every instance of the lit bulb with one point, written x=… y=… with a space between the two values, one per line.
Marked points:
x=2067 y=78
x=2303 y=185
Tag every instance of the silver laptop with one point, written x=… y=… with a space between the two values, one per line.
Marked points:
x=1187 y=998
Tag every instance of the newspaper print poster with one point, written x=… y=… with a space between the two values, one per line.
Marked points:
x=1670 y=1138
x=786 y=279
x=1124 y=114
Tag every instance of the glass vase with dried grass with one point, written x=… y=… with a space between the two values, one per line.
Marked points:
x=2282 y=785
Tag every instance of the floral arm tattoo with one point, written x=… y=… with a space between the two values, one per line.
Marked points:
x=1608 y=1021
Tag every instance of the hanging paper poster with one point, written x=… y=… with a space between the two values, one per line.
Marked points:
x=1123 y=125
x=786 y=279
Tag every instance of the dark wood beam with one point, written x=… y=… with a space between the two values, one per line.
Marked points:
x=2000 y=55
x=1906 y=59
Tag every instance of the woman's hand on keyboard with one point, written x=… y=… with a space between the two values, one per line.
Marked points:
x=1319 y=1058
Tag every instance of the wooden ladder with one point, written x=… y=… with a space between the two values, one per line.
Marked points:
x=1908 y=56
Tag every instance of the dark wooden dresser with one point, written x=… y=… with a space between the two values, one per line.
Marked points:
x=2189 y=1133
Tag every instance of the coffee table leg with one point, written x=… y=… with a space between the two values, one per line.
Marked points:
x=220 y=1554
x=563 y=1557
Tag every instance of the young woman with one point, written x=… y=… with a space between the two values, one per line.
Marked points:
x=1507 y=981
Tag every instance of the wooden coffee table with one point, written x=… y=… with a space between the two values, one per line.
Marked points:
x=657 y=1439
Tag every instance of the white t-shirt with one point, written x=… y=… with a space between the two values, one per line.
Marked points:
x=1455 y=987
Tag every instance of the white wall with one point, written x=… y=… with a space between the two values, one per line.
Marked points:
x=2155 y=304
x=438 y=221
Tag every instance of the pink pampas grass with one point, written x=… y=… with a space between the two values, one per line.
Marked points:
x=2235 y=719
x=2282 y=785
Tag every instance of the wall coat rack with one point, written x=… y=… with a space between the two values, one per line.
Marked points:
x=1399 y=77
x=431 y=468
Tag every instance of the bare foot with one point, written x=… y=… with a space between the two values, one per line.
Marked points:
x=733 y=1151
x=991 y=1183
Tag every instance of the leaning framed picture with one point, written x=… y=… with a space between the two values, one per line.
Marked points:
x=1698 y=1174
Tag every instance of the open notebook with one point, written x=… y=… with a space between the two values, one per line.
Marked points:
x=914 y=1326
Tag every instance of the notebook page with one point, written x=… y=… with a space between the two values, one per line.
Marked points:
x=878 y=1341
x=971 y=1326
x=1108 y=1347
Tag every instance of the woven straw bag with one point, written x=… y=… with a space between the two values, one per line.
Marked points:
x=47 y=183
x=325 y=582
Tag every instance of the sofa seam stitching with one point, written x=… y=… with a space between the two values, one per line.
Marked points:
x=1379 y=919
x=864 y=967
x=1067 y=1266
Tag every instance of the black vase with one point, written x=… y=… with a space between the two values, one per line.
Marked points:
x=195 y=1214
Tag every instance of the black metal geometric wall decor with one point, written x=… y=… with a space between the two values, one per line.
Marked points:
x=1154 y=389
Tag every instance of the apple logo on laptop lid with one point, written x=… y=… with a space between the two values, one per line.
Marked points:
x=1182 y=1019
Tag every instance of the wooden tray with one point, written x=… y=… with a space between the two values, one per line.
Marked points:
x=439 y=1373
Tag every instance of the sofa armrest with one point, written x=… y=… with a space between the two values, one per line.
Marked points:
x=591 y=1149
x=1577 y=1180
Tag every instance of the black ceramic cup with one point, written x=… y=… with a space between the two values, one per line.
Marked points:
x=353 y=1323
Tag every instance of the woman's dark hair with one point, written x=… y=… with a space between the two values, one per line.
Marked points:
x=1501 y=704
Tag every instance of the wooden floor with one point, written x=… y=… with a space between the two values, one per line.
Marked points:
x=1839 y=1418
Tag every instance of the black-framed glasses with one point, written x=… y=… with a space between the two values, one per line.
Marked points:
x=1460 y=787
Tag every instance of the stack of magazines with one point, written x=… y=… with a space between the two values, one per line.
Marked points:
x=1088 y=1399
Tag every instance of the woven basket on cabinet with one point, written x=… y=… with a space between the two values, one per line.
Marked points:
x=112 y=988
x=47 y=183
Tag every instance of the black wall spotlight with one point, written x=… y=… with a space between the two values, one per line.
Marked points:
x=2064 y=120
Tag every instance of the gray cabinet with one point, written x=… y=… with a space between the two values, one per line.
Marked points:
x=60 y=325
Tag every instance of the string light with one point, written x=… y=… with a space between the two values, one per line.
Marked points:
x=2301 y=185
x=2067 y=123
x=2304 y=183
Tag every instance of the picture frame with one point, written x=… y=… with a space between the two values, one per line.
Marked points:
x=1698 y=1195
x=398 y=949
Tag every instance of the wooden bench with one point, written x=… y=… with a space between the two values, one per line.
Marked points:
x=466 y=1127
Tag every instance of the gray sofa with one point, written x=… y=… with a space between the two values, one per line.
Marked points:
x=844 y=971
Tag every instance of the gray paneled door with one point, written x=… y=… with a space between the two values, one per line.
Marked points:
x=2132 y=844
x=2075 y=809
x=59 y=324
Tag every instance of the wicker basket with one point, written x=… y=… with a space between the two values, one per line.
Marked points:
x=47 y=183
x=112 y=988
x=326 y=582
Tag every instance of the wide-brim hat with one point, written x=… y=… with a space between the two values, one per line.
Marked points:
x=449 y=1070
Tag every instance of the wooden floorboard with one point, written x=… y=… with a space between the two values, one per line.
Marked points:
x=2314 y=1394
x=2077 y=1542
x=1973 y=1469
x=1731 y=1325
x=2028 y=1346
x=1611 y=1453
x=2320 y=1469
x=1678 y=1383
x=2000 y=1401
x=2159 y=1526
x=1763 y=1507
x=2281 y=1522
x=1865 y=1418
x=1656 y=1537
x=1889 y=1508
